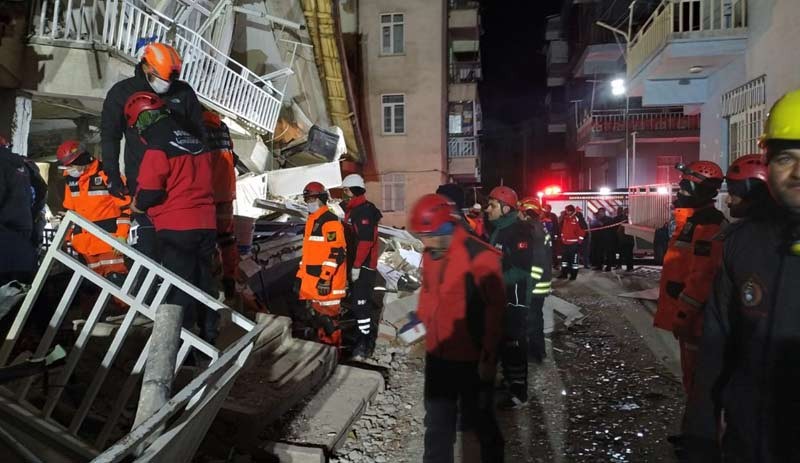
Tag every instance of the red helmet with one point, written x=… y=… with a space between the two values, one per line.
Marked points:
x=710 y=170
x=748 y=166
x=211 y=118
x=505 y=195
x=531 y=203
x=139 y=102
x=69 y=151
x=314 y=189
x=430 y=213
x=163 y=60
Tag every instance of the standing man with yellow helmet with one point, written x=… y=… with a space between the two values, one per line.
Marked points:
x=745 y=403
x=158 y=72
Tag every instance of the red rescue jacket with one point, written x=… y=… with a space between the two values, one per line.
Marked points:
x=361 y=220
x=571 y=231
x=462 y=301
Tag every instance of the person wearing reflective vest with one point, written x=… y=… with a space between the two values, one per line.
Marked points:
x=571 y=237
x=530 y=211
x=323 y=270
x=223 y=160
x=513 y=238
x=745 y=403
x=86 y=193
x=461 y=304
x=361 y=219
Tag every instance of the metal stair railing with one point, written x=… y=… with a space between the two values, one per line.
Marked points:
x=219 y=81
x=145 y=278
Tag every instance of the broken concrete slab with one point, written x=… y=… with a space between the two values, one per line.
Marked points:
x=567 y=310
x=396 y=310
x=287 y=453
x=650 y=294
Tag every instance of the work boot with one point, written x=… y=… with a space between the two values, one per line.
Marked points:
x=608 y=268
x=513 y=399
x=361 y=349
x=574 y=275
x=564 y=274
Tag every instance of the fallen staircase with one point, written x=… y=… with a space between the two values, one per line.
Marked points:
x=123 y=27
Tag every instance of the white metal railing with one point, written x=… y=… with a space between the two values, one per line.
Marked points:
x=462 y=147
x=680 y=16
x=650 y=205
x=145 y=279
x=219 y=81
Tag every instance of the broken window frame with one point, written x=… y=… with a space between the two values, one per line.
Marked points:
x=393 y=34
x=393 y=122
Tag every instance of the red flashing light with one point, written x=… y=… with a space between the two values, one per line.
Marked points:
x=552 y=190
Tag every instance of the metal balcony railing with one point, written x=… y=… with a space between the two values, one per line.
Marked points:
x=219 y=81
x=462 y=147
x=680 y=16
x=649 y=205
x=613 y=121
x=466 y=72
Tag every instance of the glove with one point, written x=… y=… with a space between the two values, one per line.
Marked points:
x=354 y=273
x=116 y=187
x=324 y=287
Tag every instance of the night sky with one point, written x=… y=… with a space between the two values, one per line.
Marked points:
x=513 y=90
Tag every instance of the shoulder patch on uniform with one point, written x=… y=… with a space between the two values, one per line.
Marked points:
x=522 y=245
x=331 y=236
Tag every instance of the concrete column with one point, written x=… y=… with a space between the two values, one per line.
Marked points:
x=15 y=118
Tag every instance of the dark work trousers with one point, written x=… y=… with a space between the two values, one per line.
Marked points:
x=569 y=260
x=611 y=248
x=147 y=240
x=586 y=251
x=536 y=347
x=626 y=252
x=190 y=254
x=452 y=387
x=514 y=351
x=361 y=304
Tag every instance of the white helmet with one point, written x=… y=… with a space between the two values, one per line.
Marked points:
x=353 y=180
x=476 y=206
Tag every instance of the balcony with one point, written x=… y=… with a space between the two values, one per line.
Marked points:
x=608 y=126
x=465 y=72
x=685 y=39
x=463 y=15
x=463 y=159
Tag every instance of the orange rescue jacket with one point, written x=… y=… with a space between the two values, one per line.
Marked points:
x=88 y=196
x=690 y=264
x=324 y=256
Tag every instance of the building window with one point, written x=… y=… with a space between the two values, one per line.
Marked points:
x=394 y=192
x=392 y=34
x=745 y=108
x=394 y=114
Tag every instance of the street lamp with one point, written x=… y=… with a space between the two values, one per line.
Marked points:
x=618 y=88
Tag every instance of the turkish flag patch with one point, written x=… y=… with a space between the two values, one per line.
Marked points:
x=364 y=221
x=522 y=245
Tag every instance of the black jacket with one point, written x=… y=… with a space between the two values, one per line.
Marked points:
x=514 y=239
x=180 y=99
x=749 y=360
x=541 y=259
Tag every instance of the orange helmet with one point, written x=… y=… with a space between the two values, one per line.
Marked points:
x=313 y=189
x=531 y=203
x=163 y=60
x=707 y=170
x=69 y=151
x=139 y=102
x=748 y=166
x=505 y=195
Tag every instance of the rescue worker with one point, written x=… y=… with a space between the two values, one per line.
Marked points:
x=747 y=186
x=174 y=188
x=361 y=221
x=461 y=304
x=223 y=160
x=515 y=241
x=555 y=233
x=571 y=238
x=22 y=199
x=323 y=273
x=626 y=241
x=475 y=220
x=541 y=273
x=157 y=72
x=690 y=263
x=745 y=405
x=86 y=193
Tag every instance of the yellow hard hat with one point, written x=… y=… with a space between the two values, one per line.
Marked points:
x=783 y=120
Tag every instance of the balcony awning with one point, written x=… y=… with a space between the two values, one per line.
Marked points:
x=600 y=59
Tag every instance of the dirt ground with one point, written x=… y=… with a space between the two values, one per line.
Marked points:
x=601 y=396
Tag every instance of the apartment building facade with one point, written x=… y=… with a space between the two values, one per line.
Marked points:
x=419 y=69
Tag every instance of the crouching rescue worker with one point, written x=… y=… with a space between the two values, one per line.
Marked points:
x=462 y=305
x=323 y=274
x=691 y=261
x=530 y=211
x=513 y=238
x=223 y=160
x=572 y=235
x=86 y=193
x=175 y=191
x=745 y=405
x=361 y=219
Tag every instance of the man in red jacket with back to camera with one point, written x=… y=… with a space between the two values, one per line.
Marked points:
x=462 y=304
x=175 y=191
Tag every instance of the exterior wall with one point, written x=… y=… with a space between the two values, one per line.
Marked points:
x=646 y=162
x=712 y=141
x=770 y=50
x=420 y=74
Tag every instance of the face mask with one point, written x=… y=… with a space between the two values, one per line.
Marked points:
x=158 y=85
x=313 y=207
x=75 y=171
